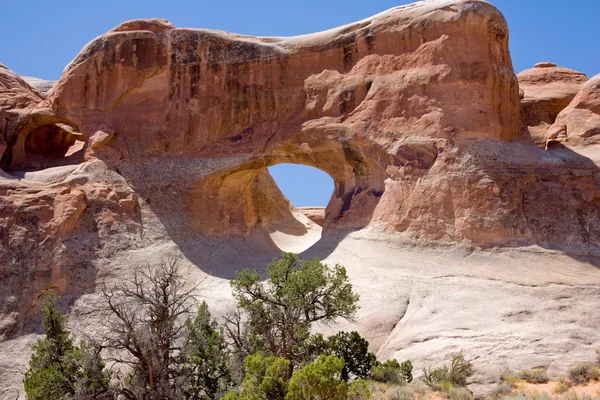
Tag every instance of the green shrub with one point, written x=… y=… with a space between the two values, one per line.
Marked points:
x=392 y=372
x=502 y=389
x=536 y=375
x=459 y=393
x=582 y=374
x=436 y=378
x=445 y=377
x=400 y=393
x=563 y=386
x=359 y=390
x=460 y=370
x=318 y=380
x=509 y=378
x=354 y=350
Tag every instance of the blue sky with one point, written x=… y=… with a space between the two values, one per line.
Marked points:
x=40 y=37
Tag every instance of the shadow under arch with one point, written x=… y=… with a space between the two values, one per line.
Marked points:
x=221 y=220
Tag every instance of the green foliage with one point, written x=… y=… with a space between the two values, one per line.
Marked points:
x=445 y=377
x=502 y=389
x=58 y=369
x=359 y=390
x=400 y=393
x=460 y=370
x=393 y=372
x=536 y=375
x=354 y=350
x=436 y=378
x=459 y=393
x=53 y=367
x=583 y=373
x=266 y=378
x=205 y=363
x=320 y=379
x=94 y=381
x=563 y=386
x=276 y=316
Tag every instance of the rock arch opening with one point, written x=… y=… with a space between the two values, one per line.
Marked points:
x=44 y=146
x=53 y=145
x=309 y=190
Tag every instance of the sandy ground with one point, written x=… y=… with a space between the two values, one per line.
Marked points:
x=591 y=389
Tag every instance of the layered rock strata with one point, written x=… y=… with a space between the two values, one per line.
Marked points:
x=548 y=89
x=159 y=138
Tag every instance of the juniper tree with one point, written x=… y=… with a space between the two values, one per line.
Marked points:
x=276 y=316
x=59 y=369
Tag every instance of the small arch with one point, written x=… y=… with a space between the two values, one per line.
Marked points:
x=50 y=145
x=309 y=190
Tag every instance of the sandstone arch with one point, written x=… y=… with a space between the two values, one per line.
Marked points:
x=414 y=112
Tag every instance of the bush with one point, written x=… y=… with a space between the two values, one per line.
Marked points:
x=445 y=377
x=354 y=350
x=460 y=370
x=509 y=378
x=358 y=390
x=563 y=386
x=400 y=393
x=582 y=374
x=536 y=375
x=392 y=372
x=502 y=389
x=437 y=378
x=459 y=393
x=318 y=380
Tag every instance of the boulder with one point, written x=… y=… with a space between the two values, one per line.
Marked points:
x=315 y=214
x=17 y=99
x=548 y=89
x=581 y=118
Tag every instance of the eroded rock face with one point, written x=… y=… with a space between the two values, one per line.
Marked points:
x=159 y=138
x=548 y=89
x=315 y=214
x=374 y=104
x=16 y=100
x=579 y=123
x=41 y=86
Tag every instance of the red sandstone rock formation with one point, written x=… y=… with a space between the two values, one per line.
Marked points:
x=579 y=123
x=315 y=214
x=414 y=113
x=548 y=89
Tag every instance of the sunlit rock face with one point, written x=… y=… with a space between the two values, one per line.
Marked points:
x=379 y=105
x=547 y=90
x=578 y=124
x=159 y=138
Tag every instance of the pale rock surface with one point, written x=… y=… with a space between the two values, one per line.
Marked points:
x=456 y=231
x=41 y=86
